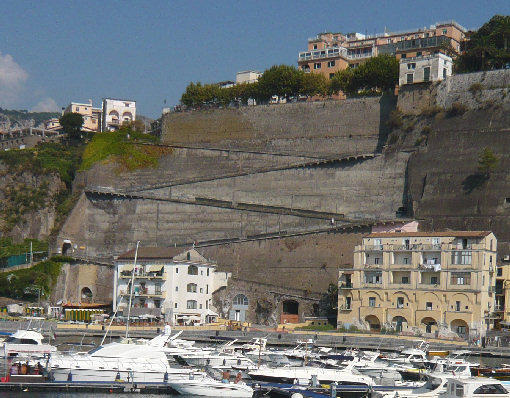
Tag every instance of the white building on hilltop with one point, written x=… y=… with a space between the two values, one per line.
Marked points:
x=173 y=283
x=117 y=112
x=429 y=68
x=247 y=76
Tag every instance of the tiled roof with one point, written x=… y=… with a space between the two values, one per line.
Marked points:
x=455 y=234
x=153 y=253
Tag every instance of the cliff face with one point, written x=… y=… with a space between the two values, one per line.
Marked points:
x=291 y=188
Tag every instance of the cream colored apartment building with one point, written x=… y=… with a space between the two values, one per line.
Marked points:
x=91 y=116
x=428 y=282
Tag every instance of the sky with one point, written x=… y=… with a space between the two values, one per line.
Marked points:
x=55 y=52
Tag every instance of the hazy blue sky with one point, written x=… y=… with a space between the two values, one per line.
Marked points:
x=54 y=52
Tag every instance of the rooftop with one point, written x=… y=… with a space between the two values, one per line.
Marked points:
x=455 y=234
x=153 y=253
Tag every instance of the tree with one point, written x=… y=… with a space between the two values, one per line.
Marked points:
x=71 y=124
x=377 y=73
x=281 y=80
x=328 y=304
x=343 y=81
x=312 y=84
x=487 y=162
x=487 y=48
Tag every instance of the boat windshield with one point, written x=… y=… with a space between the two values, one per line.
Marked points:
x=96 y=349
x=487 y=389
x=15 y=340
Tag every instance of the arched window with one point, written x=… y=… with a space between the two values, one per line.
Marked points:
x=86 y=295
x=192 y=287
x=192 y=270
x=191 y=305
x=240 y=299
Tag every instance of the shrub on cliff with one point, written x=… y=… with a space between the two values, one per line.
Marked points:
x=487 y=162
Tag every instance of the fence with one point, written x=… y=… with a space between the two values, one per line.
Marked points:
x=21 y=259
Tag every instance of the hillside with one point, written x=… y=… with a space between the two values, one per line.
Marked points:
x=10 y=119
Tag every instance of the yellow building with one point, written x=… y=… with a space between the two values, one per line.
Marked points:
x=421 y=282
x=91 y=116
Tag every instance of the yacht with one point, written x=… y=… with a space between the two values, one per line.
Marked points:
x=225 y=357
x=115 y=362
x=26 y=343
x=474 y=387
x=205 y=386
x=303 y=375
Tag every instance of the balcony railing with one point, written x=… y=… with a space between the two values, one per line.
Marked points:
x=321 y=54
x=345 y=285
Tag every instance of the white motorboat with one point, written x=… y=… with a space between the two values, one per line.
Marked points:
x=115 y=361
x=474 y=387
x=203 y=385
x=303 y=375
x=225 y=357
x=26 y=343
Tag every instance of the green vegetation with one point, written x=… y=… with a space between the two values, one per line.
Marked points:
x=476 y=88
x=43 y=160
x=487 y=162
x=370 y=78
x=487 y=48
x=25 y=284
x=71 y=124
x=431 y=110
x=319 y=328
x=457 y=109
x=125 y=147
x=8 y=248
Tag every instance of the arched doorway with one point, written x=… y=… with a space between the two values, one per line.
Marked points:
x=66 y=247
x=460 y=327
x=86 y=295
x=290 y=312
x=429 y=323
x=400 y=323
x=373 y=323
x=239 y=307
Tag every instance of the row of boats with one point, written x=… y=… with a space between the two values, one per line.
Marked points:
x=205 y=371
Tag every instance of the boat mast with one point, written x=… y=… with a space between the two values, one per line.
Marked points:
x=132 y=289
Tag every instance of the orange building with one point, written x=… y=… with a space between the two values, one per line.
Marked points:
x=328 y=53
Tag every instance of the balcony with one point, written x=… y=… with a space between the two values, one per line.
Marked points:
x=373 y=266
x=426 y=267
x=345 y=285
x=499 y=308
x=345 y=308
x=322 y=54
x=372 y=248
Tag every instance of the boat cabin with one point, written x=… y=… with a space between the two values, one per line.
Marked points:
x=475 y=387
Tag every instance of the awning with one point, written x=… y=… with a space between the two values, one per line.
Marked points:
x=210 y=312
x=155 y=268
x=127 y=267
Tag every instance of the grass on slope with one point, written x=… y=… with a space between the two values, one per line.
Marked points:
x=24 y=284
x=125 y=148
x=8 y=248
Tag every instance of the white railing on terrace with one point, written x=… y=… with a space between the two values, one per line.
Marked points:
x=320 y=54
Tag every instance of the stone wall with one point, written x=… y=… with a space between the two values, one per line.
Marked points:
x=314 y=129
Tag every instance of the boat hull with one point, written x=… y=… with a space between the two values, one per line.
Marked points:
x=212 y=389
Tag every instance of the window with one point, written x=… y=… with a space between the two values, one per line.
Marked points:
x=188 y=256
x=177 y=270
x=201 y=290
x=406 y=260
x=157 y=303
x=157 y=288
x=206 y=289
x=347 y=303
x=491 y=389
x=405 y=280
x=377 y=260
x=77 y=109
x=411 y=65
x=499 y=271
x=457 y=306
x=191 y=304
x=371 y=301
x=426 y=74
x=207 y=271
x=192 y=270
x=433 y=280
x=315 y=46
x=418 y=53
x=400 y=302
x=240 y=299
x=460 y=278
x=445 y=31
x=191 y=288
x=331 y=75
x=444 y=73
x=177 y=288
x=331 y=64
x=428 y=306
x=200 y=306
x=317 y=65
x=403 y=56
x=410 y=78
x=461 y=257
x=175 y=305
x=373 y=277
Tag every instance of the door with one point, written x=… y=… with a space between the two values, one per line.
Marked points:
x=237 y=315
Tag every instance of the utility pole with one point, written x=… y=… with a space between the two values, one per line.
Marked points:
x=132 y=288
